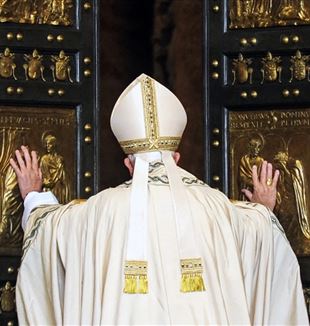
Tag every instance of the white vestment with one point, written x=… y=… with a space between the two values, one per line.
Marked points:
x=72 y=271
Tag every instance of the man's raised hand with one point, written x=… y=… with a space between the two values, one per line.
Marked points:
x=264 y=186
x=26 y=167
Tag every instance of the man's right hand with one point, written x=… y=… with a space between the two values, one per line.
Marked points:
x=264 y=186
x=26 y=167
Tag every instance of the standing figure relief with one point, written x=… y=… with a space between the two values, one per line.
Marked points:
x=53 y=170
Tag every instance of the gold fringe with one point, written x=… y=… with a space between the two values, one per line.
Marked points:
x=191 y=280
x=136 y=277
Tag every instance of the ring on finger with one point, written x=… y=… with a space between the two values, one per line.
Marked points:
x=269 y=182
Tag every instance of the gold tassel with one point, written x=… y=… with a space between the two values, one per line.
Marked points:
x=136 y=277
x=192 y=280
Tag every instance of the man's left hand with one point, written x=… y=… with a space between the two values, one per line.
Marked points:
x=27 y=170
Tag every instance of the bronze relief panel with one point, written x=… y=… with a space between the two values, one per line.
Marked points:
x=50 y=12
x=281 y=137
x=50 y=132
x=267 y=13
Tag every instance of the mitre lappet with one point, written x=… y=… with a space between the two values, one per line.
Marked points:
x=148 y=121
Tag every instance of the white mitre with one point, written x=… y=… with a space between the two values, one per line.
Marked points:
x=148 y=117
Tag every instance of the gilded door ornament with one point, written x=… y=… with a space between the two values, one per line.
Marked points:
x=7 y=65
x=34 y=67
x=292 y=12
x=248 y=160
x=52 y=12
x=61 y=69
x=7 y=298
x=307 y=299
x=291 y=196
x=266 y=13
x=299 y=68
x=241 y=70
x=11 y=206
x=271 y=69
x=53 y=169
x=282 y=138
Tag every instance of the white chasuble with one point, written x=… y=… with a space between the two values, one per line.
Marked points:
x=72 y=271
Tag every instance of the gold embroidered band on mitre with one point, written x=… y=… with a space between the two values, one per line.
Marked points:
x=147 y=145
x=136 y=280
x=192 y=280
x=152 y=142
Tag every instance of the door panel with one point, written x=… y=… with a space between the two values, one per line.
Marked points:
x=257 y=104
x=48 y=101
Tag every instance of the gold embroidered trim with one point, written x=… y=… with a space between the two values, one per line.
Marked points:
x=150 y=109
x=147 y=145
x=192 y=280
x=135 y=277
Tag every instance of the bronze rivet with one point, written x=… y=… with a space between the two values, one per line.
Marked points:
x=295 y=39
x=215 y=63
x=215 y=143
x=61 y=92
x=243 y=41
x=10 y=90
x=215 y=75
x=11 y=270
x=87 y=6
x=216 y=131
x=10 y=36
x=296 y=92
x=286 y=93
x=87 y=73
x=87 y=174
x=253 y=93
x=50 y=37
x=19 y=90
x=216 y=8
x=19 y=36
x=87 y=60
x=60 y=38
x=244 y=94
x=88 y=126
x=88 y=189
x=51 y=91
x=254 y=40
x=216 y=178
x=87 y=139
x=285 y=39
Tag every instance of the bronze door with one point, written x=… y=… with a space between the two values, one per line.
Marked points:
x=48 y=101
x=257 y=57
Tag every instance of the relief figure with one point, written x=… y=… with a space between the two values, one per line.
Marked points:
x=292 y=199
x=61 y=69
x=34 y=67
x=7 y=297
x=299 y=68
x=290 y=11
x=241 y=70
x=252 y=157
x=265 y=13
x=7 y=65
x=52 y=12
x=53 y=170
x=12 y=211
x=271 y=69
x=11 y=207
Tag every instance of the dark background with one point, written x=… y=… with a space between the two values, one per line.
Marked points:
x=162 y=38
